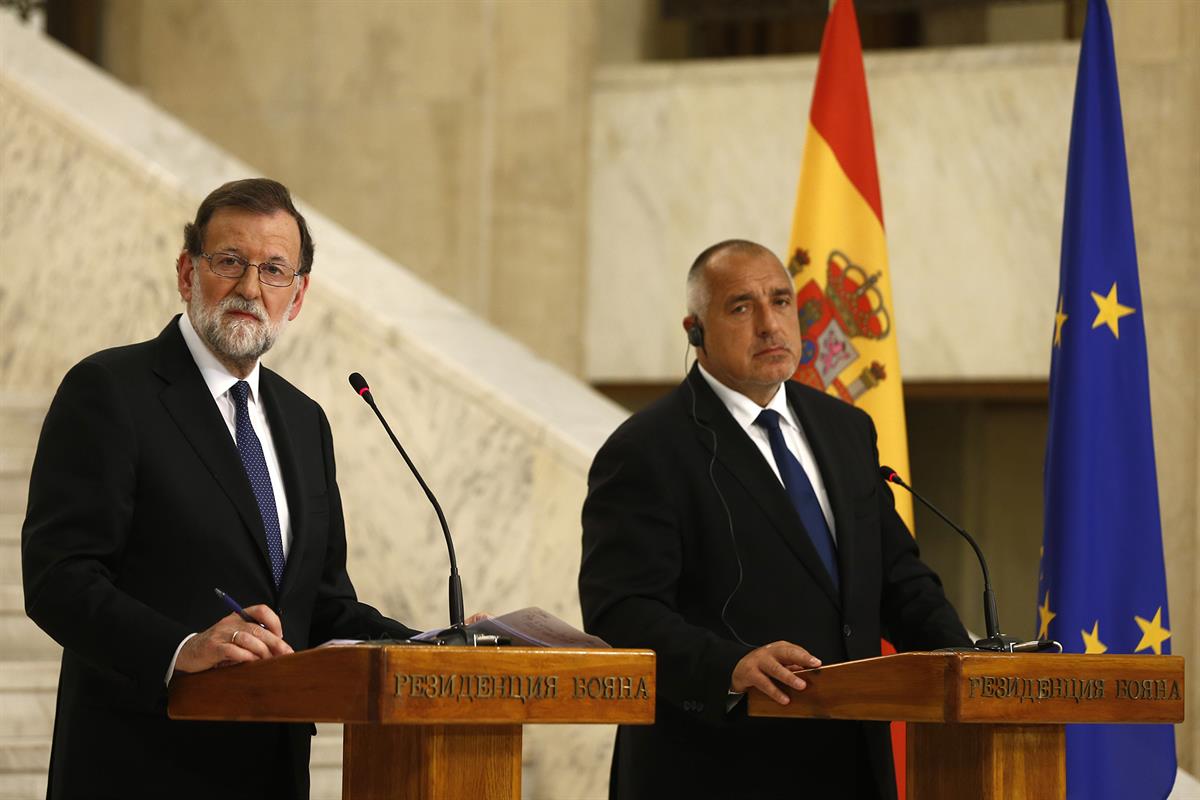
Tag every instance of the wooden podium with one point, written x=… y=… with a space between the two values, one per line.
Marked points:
x=988 y=725
x=426 y=721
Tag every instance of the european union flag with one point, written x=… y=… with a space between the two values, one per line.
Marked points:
x=1102 y=586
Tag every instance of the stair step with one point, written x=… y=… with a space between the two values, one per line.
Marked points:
x=24 y=754
x=14 y=482
x=325 y=783
x=28 y=714
x=10 y=526
x=10 y=557
x=21 y=416
x=327 y=746
x=23 y=785
x=20 y=638
x=27 y=694
x=29 y=676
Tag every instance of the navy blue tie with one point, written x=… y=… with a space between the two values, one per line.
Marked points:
x=800 y=490
x=251 y=451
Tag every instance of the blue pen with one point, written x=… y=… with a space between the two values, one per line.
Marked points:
x=237 y=609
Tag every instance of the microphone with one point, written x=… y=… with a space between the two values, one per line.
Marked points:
x=995 y=639
x=457 y=629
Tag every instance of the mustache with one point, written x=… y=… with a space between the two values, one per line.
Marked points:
x=235 y=303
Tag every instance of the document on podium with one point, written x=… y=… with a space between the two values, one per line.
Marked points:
x=527 y=627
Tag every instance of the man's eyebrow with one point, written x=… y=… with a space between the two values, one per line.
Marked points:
x=779 y=291
x=237 y=251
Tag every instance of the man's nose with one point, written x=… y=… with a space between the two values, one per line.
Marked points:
x=768 y=323
x=249 y=285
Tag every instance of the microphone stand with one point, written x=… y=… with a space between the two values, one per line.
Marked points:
x=995 y=640
x=457 y=632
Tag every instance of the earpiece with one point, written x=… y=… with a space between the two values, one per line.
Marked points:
x=696 y=334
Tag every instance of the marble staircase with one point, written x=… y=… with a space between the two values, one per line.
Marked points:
x=28 y=657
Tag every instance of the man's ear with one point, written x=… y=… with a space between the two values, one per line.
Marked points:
x=299 y=301
x=184 y=268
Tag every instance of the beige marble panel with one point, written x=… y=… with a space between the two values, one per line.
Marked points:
x=467 y=120
x=972 y=152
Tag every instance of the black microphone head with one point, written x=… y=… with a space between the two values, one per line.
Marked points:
x=889 y=474
x=359 y=383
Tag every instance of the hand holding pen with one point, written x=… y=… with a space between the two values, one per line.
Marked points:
x=246 y=634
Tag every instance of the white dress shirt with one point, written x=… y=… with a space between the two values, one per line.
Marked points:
x=219 y=381
x=745 y=411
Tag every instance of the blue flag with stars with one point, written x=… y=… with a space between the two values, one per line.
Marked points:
x=1102 y=586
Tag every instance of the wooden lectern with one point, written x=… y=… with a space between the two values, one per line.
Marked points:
x=426 y=721
x=988 y=725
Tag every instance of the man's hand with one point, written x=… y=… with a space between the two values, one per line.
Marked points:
x=773 y=662
x=232 y=640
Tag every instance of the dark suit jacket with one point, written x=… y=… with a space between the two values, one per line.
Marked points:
x=138 y=507
x=687 y=565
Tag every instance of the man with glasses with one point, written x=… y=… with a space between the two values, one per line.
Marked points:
x=169 y=468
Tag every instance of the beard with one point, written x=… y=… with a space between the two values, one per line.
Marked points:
x=241 y=341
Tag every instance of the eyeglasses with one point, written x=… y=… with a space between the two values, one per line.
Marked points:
x=228 y=265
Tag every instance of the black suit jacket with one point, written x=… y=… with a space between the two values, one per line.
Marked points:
x=138 y=507
x=704 y=568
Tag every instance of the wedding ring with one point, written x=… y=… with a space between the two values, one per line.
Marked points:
x=233 y=639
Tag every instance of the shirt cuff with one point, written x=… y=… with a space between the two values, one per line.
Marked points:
x=174 y=658
x=732 y=699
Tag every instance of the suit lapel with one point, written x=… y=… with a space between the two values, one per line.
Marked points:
x=289 y=464
x=187 y=400
x=823 y=441
x=738 y=454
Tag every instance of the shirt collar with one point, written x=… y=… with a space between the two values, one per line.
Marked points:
x=744 y=410
x=216 y=376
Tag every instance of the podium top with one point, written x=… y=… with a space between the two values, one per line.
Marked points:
x=969 y=686
x=426 y=685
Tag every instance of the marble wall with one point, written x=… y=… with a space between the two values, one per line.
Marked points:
x=470 y=121
x=972 y=153
x=96 y=185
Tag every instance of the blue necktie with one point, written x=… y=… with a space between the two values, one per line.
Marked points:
x=251 y=451
x=801 y=492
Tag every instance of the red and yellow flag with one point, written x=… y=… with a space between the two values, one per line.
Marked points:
x=838 y=250
x=838 y=258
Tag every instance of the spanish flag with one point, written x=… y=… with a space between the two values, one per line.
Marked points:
x=838 y=250
x=838 y=259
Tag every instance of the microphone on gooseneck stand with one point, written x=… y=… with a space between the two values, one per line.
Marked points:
x=995 y=639
x=456 y=633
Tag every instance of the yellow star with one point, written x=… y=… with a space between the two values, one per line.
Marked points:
x=1108 y=311
x=1091 y=641
x=1059 y=319
x=1045 y=615
x=1153 y=633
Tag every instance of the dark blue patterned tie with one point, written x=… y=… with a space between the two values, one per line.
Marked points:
x=251 y=451
x=800 y=490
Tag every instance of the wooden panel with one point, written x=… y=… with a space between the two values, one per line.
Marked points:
x=990 y=762
x=423 y=685
x=989 y=687
x=329 y=684
x=1048 y=688
x=434 y=762
x=908 y=686
x=509 y=684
